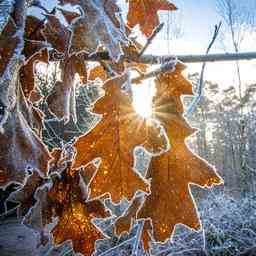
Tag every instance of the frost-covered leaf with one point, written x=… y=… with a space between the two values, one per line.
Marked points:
x=170 y=201
x=144 y=13
x=25 y=195
x=61 y=100
x=33 y=115
x=27 y=71
x=124 y=222
x=65 y=199
x=172 y=172
x=57 y=34
x=9 y=40
x=113 y=140
x=11 y=46
x=99 y=27
x=34 y=39
x=6 y=7
x=21 y=149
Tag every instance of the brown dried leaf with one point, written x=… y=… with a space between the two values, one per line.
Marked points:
x=8 y=43
x=57 y=34
x=98 y=72
x=33 y=115
x=98 y=27
x=113 y=140
x=25 y=195
x=33 y=28
x=144 y=13
x=34 y=39
x=60 y=159
x=60 y=98
x=20 y=149
x=27 y=72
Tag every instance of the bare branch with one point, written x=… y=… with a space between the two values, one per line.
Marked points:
x=151 y=38
x=201 y=81
x=158 y=59
x=165 y=67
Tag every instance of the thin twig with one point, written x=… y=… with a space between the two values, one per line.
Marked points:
x=158 y=59
x=138 y=238
x=166 y=67
x=151 y=38
x=196 y=100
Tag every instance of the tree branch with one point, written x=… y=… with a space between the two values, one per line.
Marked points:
x=201 y=80
x=158 y=59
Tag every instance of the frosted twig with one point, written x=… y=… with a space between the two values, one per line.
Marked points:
x=151 y=38
x=197 y=98
x=165 y=67
x=138 y=238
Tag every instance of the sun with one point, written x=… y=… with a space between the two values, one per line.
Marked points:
x=142 y=99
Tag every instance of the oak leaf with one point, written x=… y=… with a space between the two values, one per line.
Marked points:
x=8 y=43
x=97 y=28
x=27 y=71
x=25 y=195
x=60 y=100
x=65 y=199
x=144 y=13
x=171 y=173
x=20 y=149
x=33 y=115
x=113 y=140
x=57 y=34
x=34 y=38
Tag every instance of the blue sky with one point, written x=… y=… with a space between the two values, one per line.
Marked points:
x=197 y=18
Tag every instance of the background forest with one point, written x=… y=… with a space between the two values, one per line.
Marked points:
x=224 y=114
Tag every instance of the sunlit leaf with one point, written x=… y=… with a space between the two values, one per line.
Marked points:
x=111 y=141
x=144 y=13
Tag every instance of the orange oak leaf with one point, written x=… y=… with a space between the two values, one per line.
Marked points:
x=97 y=28
x=113 y=140
x=98 y=72
x=144 y=13
x=65 y=199
x=75 y=219
x=171 y=173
